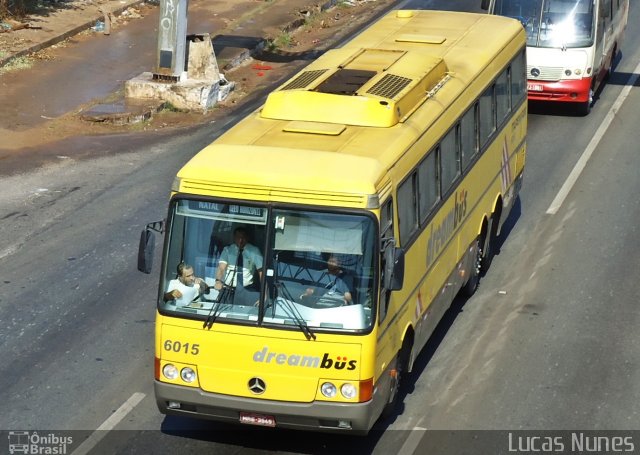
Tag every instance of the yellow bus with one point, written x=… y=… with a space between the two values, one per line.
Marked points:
x=311 y=250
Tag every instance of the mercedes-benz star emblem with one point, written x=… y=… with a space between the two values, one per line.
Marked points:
x=257 y=386
x=535 y=72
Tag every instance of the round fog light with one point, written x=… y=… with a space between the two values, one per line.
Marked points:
x=170 y=371
x=328 y=390
x=188 y=375
x=348 y=391
x=567 y=72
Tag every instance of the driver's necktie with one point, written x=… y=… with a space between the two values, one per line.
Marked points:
x=239 y=274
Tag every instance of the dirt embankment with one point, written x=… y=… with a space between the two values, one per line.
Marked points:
x=316 y=31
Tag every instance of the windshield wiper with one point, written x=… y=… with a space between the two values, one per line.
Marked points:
x=291 y=310
x=219 y=304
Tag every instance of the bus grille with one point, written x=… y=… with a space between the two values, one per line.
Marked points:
x=389 y=86
x=304 y=79
x=547 y=73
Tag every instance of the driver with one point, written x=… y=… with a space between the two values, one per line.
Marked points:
x=333 y=282
x=186 y=287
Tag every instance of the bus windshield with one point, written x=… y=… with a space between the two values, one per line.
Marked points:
x=250 y=264
x=552 y=23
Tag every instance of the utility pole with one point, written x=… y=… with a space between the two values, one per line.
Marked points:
x=172 y=40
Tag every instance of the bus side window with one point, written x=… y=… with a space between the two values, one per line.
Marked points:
x=503 y=96
x=487 y=116
x=518 y=80
x=407 y=209
x=428 y=185
x=468 y=137
x=386 y=231
x=449 y=160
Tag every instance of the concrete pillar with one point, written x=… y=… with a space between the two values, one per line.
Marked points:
x=172 y=40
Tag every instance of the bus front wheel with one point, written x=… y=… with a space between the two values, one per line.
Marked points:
x=470 y=287
x=488 y=244
x=584 y=108
x=397 y=372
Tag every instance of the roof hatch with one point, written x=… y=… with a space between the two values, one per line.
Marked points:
x=369 y=87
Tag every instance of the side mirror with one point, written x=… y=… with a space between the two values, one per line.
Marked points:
x=145 y=251
x=148 y=245
x=393 y=273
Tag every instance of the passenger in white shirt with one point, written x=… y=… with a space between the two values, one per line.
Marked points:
x=186 y=288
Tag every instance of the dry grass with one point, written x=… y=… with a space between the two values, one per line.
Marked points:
x=19 y=63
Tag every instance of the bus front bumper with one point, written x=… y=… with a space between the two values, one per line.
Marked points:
x=567 y=91
x=319 y=416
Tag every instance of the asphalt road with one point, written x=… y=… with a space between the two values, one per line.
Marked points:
x=548 y=342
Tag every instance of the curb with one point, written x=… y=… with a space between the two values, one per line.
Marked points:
x=263 y=42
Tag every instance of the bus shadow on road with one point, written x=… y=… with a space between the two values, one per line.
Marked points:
x=620 y=77
x=508 y=225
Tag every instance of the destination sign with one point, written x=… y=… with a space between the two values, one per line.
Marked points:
x=216 y=210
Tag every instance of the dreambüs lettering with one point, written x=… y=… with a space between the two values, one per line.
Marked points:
x=296 y=360
x=440 y=233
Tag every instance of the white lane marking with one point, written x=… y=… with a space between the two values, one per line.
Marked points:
x=595 y=140
x=411 y=444
x=109 y=424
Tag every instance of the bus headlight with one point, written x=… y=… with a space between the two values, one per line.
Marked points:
x=578 y=72
x=170 y=371
x=328 y=390
x=567 y=72
x=187 y=374
x=348 y=391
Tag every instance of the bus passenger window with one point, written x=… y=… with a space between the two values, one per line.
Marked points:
x=503 y=102
x=449 y=160
x=386 y=220
x=407 y=208
x=518 y=80
x=468 y=137
x=487 y=116
x=428 y=186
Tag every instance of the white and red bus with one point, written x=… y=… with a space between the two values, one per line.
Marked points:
x=571 y=45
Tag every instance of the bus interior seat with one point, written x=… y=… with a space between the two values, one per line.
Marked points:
x=300 y=270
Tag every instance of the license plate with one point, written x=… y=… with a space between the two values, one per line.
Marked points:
x=257 y=419
x=534 y=87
